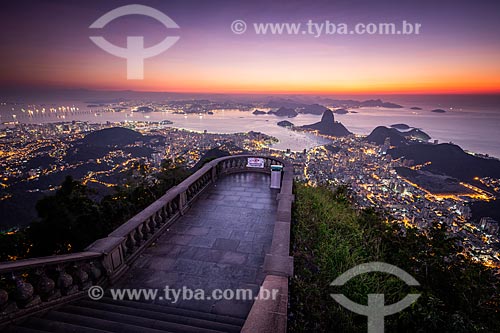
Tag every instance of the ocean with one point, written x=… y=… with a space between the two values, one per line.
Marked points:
x=472 y=122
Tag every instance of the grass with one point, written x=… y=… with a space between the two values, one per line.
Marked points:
x=329 y=236
x=327 y=240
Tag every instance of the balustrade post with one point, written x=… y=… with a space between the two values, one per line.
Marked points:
x=65 y=282
x=139 y=237
x=214 y=174
x=94 y=272
x=131 y=242
x=81 y=277
x=149 y=226
x=183 y=200
x=46 y=287
x=6 y=306
x=25 y=293
x=4 y=299
x=170 y=210
x=160 y=217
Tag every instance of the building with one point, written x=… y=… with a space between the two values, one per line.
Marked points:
x=489 y=225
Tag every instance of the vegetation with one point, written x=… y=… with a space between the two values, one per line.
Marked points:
x=329 y=237
x=72 y=219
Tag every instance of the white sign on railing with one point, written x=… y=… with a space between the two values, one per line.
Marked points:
x=255 y=162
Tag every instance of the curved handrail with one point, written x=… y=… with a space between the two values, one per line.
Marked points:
x=13 y=266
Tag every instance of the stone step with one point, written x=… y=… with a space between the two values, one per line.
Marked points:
x=49 y=325
x=106 y=325
x=166 y=308
x=135 y=320
x=20 y=329
x=108 y=315
x=155 y=313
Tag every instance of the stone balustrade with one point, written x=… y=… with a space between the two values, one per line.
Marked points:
x=27 y=286
x=270 y=315
x=33 y=285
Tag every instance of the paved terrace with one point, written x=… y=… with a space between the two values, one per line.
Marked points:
x=220 y=243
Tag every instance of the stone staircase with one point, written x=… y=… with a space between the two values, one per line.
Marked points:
x=108 y=315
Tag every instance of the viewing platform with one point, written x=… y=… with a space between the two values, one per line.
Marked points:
x=223 y=228
x=220 y=243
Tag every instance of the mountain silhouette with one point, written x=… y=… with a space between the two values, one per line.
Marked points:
x=328 y=126
x=115 y=136
x=449 y=159
x=397 y=138
x=380 y=133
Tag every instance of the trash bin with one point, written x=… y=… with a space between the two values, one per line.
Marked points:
x=276 y=176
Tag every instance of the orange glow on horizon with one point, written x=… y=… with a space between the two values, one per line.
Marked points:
x=263 y=75
x=318 y=70
x=216 y=88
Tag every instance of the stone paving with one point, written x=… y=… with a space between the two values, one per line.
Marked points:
x=220 y=243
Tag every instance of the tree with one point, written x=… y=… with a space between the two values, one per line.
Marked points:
x=68 y=221
x=14 y=245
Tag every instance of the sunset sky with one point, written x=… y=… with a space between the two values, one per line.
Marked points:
x=46 y=44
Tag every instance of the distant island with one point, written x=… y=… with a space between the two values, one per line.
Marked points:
x=144 y=109
x=285 y=123
x=284 y=112
x=379 y=103
x=259 y=112
x=341 y=111
x=415 y=108
x=401 y=126
x=312 y=109
x=438 y=111
x=287 y=107
x=328 y=126
x=318 y=109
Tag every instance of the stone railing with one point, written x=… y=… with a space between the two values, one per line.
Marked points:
x=270 y=315
x=33 y=285
x=28 y=286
